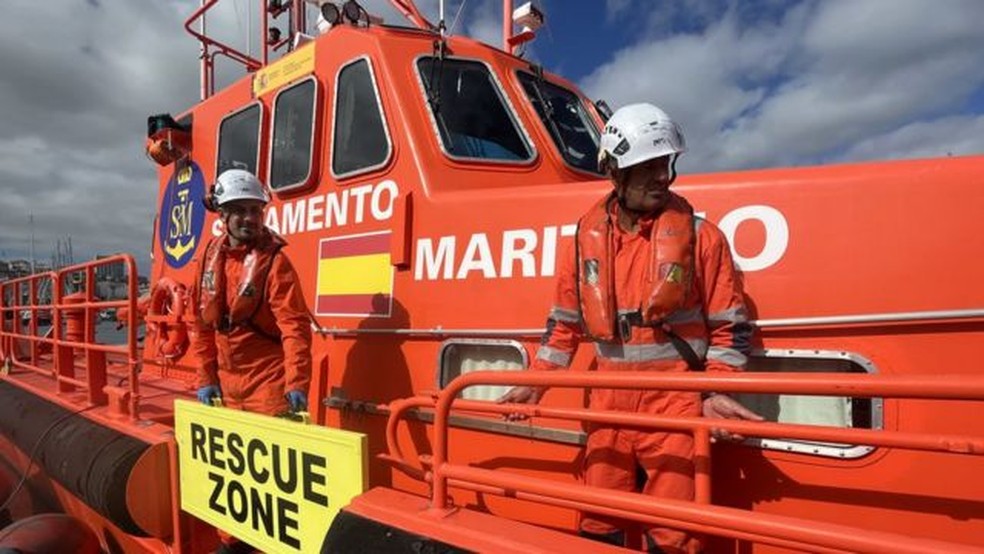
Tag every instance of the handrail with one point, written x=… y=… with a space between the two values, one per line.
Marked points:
x=929 y=316
x=719 y=520
x=207 y=60
x=95 y=376
x=698 y=516
x=409 y=10
x=33 y=308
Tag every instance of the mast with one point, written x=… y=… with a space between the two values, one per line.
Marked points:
x=34 y=268
x=507 y=11
x=205 y=63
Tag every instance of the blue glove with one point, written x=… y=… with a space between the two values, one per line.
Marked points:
x=207 y=393
x=297 y=400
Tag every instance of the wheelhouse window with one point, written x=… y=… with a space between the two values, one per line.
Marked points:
x=462 y=356
x=291 y=153
x=569 y=124
x=830 y=411
x=470 y=111
x=239 y=139
x=360 y=142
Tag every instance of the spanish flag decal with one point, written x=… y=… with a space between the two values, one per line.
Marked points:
x=355 y=277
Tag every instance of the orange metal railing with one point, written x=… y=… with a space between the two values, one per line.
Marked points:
x=208 y=58
x=12 y=300
x=62 y=366
x=211 y=47
x=698 y=516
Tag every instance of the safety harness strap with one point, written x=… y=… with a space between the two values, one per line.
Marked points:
x=627 y=320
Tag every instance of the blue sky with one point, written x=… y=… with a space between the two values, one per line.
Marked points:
x=756 y=83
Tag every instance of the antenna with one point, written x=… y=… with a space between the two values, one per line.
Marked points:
x=454 y=23
x=249 y=30
x=440 y=23
x=31 y=220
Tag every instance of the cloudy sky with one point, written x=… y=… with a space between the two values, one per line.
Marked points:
x=757 y=83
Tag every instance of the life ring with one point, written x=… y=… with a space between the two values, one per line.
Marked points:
x=167 y=298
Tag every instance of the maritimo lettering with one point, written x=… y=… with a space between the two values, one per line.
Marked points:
x=533 y=252
x=255 y=462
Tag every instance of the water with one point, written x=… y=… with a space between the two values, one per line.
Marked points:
x=106 y=332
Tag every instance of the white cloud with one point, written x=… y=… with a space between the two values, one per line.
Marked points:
x=78 y=85
x=955 y=135
x=485 y=22
x=827 y=76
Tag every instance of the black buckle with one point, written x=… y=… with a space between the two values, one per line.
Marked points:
x=225 y=325
x=625 y=323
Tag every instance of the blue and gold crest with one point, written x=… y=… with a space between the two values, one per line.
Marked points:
x=182 y=215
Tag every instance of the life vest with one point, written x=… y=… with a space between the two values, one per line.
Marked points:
x=669 y=274
x=213 y=308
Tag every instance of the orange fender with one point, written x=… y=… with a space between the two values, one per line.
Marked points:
x=50 y=533
x=168 y=298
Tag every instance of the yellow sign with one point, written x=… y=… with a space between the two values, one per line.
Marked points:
x=298 y=63
x=274 y=483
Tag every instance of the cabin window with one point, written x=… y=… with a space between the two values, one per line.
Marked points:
x=470 y=111
x=463 y=356
x=361 y=142
x=293 y=136
x=569 y=124
x=830 y=411
x=239 y=140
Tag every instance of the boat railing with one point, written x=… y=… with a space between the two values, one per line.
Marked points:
x=269 y=41
x=211 y=47
x=22 y=297
x=699 y=516
x=67 y=341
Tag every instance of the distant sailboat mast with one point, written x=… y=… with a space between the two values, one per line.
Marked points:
x=33 y=266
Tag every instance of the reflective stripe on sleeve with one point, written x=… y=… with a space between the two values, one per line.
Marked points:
x=554 y=356
x=728 y=356
x=682 y=317
x=734 y=315
x=563 y=314
x=646 y=352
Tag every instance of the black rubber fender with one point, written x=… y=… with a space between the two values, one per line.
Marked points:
x=92 y=461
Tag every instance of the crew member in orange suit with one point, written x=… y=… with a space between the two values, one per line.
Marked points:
x=253 y=331
x=655 y=288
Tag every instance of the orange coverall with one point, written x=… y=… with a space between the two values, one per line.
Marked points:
x=713 y=321
x=255 y=370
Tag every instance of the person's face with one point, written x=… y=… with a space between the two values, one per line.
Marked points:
x=243 y=219
x=645 y=186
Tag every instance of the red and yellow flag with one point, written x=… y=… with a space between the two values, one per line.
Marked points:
x=355 y=276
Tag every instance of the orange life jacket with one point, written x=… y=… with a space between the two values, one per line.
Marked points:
x=670 y=270
x=214 y=309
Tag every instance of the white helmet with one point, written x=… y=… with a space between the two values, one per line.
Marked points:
x=238 y=184
x=637 y=133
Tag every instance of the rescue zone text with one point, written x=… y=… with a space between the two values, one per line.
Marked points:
x=289 y=469
x=271 y=482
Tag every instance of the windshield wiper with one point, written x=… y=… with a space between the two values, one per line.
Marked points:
x=548 y=110
x=434 y=92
